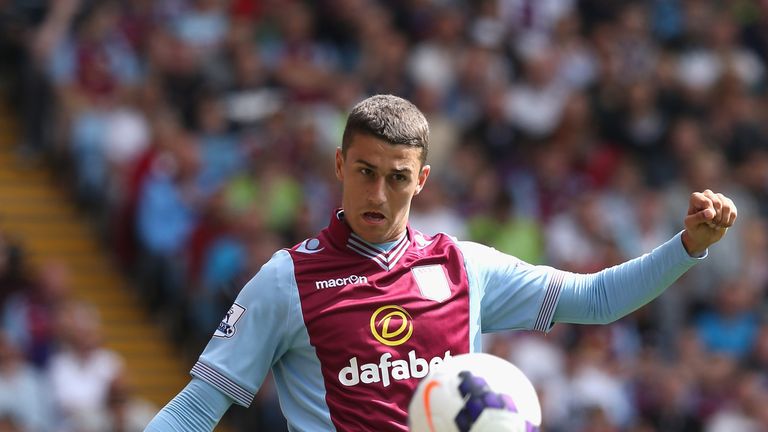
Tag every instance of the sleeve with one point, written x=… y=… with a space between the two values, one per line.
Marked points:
x=253 y=334
x=608 y=295
x=513 y=293
x=197 y=408
x=517 y=295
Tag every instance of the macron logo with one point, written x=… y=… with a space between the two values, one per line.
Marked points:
x=341 y=282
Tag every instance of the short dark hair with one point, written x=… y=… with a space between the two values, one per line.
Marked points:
x=390 y=118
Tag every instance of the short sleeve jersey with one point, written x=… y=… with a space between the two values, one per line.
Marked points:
x=348 y=329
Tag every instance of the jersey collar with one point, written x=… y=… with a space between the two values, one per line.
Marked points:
x=386 y=259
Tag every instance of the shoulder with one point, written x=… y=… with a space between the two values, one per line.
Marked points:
x=279 y=266
x=487 y=260
x=310 y=246
x=272 y=287
x=314 y=254
x=423 y=241
x=270 y=283
x=478 y=251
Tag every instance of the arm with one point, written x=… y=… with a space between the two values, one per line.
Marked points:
x=253 y=335
x=610 y=294
x=517 y=295
x=615 y=292
x=248 y=341
x=197 y=408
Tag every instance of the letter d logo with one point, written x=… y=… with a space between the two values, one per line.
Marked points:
x=391 y=325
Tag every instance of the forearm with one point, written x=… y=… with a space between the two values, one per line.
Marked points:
x=197 y=408
x=608 y=295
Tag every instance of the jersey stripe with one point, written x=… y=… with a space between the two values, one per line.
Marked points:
x=385 y=260
x=374 y=258
x=547 y=311
x=366 y=250
x=367 y=247
x=398 y=254
x=230 y=388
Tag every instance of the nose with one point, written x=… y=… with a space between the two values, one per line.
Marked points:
x=376 y=192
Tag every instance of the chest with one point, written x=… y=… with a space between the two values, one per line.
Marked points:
x=422 y=301
x=377 y=329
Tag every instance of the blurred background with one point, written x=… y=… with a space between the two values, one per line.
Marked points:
x=154 y=154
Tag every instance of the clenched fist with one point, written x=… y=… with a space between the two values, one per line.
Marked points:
x=709 y=217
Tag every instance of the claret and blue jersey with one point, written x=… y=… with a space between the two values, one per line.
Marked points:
x=348 y=328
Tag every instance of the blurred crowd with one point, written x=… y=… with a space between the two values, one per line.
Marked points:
x=200 y=135
x=55 y=373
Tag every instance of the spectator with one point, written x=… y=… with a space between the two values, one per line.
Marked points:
x=506 y=230
x=432 y=212
x=535 y=104
x=125 y=412
x=731 y=325
x=29 y=316
x=23 y=390
x=168 y=210
x=12 y=271
x=82 y=372
x=580 y=240
x=93 y=72
x=744 y=412
x=433 y=62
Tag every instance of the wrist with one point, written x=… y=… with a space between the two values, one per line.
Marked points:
x=693 y=249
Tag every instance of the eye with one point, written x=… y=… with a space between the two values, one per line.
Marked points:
x=366 y=171
x=400 y=177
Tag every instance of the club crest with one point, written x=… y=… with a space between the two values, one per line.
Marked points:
x=432 y=282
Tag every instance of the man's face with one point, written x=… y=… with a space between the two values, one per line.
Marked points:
x=378 y=181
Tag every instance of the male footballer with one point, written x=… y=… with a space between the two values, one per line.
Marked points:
x=350 y=320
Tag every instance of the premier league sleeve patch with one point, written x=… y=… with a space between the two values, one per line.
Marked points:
x=227 y=327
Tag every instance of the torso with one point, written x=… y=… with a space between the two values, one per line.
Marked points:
x=377 y=323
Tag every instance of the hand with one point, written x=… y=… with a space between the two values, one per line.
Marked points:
x=709 y=217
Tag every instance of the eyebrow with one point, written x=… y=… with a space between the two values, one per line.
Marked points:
x=405 y=170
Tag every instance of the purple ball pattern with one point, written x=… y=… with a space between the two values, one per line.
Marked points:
x=479 y=396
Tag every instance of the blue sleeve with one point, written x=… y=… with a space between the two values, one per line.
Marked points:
x=253 y=335
x=197 y=408
x=513 y=294
x=517 y=295
x=608 y=295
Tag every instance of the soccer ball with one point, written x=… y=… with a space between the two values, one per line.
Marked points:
x=475 y=393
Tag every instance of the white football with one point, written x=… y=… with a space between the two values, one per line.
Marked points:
x=475 y=392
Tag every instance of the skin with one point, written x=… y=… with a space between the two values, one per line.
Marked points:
x=379 y=180
x=709 y=216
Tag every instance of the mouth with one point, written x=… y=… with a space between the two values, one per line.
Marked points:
x=373 y=217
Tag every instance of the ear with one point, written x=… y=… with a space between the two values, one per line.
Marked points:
x=339 y=164
x=422 y=178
